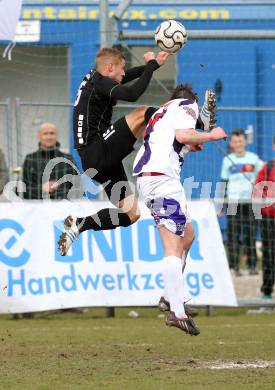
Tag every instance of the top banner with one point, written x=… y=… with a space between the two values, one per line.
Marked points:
x=9 y=16
x=151 y=12
x=121 y=267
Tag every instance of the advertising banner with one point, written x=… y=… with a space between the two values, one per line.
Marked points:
x=148 y=11
x=121 y=267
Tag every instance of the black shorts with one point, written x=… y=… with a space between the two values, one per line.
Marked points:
x=104 y=160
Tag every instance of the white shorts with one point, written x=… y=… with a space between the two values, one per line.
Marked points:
x=165 y=198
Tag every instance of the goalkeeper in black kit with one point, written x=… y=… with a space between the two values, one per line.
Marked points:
x=102 y=145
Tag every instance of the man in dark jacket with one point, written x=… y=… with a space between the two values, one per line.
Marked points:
x=35 y=163
x=34 y=168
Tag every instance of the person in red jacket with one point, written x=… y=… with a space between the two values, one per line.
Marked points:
x=265 y=187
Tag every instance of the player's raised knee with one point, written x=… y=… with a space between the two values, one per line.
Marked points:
x=134 y=214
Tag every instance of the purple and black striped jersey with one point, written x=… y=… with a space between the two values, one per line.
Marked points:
x=161 y=152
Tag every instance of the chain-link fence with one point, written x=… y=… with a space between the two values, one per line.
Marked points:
x=21 y=120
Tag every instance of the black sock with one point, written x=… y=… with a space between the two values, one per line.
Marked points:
x=105 y=219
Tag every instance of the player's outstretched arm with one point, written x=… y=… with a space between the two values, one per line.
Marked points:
x=193 y=137
x=132 y=92
x=132 y=74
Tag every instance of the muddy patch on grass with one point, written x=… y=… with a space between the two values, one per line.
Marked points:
x=240 y=364
x=170 y=365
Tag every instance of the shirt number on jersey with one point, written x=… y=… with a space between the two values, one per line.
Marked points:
x=84 y=82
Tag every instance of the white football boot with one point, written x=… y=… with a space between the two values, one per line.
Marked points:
x=208 y=110
x=69 y=235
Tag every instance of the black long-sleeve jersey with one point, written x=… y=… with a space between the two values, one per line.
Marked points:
x=97 y=95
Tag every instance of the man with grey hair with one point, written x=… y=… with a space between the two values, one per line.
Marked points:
x=35 y=164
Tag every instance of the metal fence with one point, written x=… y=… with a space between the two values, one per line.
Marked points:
x=20 y=121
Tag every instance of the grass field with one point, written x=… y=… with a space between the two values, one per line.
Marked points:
x=88 y=351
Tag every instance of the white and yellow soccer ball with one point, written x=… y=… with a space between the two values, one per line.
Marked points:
x=171 y=36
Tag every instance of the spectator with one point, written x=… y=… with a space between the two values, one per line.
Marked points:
x=267 y=190
x=239 y=170
x=4 y=175
x=35 y=163
x=33 y=169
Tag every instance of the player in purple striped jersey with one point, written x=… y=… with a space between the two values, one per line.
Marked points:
x=169 y=135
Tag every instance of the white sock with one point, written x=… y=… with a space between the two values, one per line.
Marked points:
x=183 y=264
x=174 y=284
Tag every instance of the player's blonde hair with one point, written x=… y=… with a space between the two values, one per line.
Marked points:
x=105 y=54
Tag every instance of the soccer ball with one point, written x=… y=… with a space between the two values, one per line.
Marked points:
x=170 y=36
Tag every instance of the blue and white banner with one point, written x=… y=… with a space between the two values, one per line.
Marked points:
x=121 y=267
x=9 y=15
x=151 y=12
